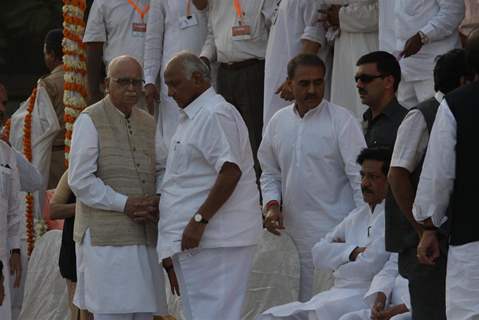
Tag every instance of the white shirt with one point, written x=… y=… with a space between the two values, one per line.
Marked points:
x=219 y=45
x=111 y=22
x=361 y=228
x=438 y=20
x=210 y=132
x=10 y=214
x=30 y=178
x=165 y=37
x=387 y=31
x=438 y=172
x=309 y=164
x=293 y=21
x=412 y=139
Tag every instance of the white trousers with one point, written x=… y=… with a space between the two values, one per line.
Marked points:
x=462 y=282
x=6 y=307
x=213 y=281
x=131 y=316
x=411 y=93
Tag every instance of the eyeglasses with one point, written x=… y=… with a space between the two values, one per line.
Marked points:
x=124 y=82
x=367 y=78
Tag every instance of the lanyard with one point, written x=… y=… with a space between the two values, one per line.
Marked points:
x=143 y=12
x=239 y=11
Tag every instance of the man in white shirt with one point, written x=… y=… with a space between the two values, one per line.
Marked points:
x=354 y=249
x=295 y=29
x=10 y=218
x=449 y=179
x=112 y=174
x=427 y=285
x=308 y=157
x=237 y=38
x=422 y=31
x=173 y=26
x=357 y=34
x=210 y=216
x=114 y=28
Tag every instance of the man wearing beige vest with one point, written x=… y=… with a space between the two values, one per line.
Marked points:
x=112 y=174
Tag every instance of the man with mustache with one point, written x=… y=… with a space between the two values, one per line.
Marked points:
x=354 y=249
x=112 y=174
x=310 y=178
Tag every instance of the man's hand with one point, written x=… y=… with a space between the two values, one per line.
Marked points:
x=143 y=209
x=332 y=15
x=152 y=95
x=274 y=220
x=355 y=253
x=412 y=46
x=285 y=91
x=16 y=268
x=378 y=306
x=192 y=235
x=428 y=248
x=170 y=271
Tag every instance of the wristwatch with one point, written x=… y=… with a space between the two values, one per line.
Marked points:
x=199 y=218
x=424 y=38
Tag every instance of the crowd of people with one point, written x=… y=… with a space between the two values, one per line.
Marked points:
x=347 y=125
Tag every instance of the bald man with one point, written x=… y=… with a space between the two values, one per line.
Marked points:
x=112 y=174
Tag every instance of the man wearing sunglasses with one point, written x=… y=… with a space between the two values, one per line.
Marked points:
x=377 y=79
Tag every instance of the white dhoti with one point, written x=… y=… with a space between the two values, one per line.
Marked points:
x=411 y=93
x=213 y=281
x=6 y=307
x=119 y=280
x=462 y=282
x=327 y=305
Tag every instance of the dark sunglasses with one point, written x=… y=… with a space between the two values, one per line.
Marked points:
x=123 y=82
x=367 y=78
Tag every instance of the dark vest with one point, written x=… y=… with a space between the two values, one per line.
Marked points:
x=400 y=234
x=464 y=215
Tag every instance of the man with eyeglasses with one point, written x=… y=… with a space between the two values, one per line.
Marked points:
x=112 y=174
x=377 y=79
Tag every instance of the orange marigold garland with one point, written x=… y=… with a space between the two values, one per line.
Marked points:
x=27 y=151
x=74 y=65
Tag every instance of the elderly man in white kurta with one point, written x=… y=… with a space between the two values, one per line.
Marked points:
x=295 y=28
x=358 y=34
x=112 y=174
x=308 y=157
x=388 y=296
x=355 y=250
x=173 y=26
x=210 y=216
x=10 y=218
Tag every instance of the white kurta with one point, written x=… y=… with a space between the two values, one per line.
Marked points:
x=120 y=279
x=361 y=228
x=432 y=199
x=111 y=22
x=358 y=36
x=309 y=164
x=165 y=38
x=10 y=217
x=294 y=21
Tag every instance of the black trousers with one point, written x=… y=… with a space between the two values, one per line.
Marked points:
x=427 y=285
x=242 y=85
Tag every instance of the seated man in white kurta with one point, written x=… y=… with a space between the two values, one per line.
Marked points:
x=210 y=216
x=388 y=296
x=355 y=250
x=112 y=174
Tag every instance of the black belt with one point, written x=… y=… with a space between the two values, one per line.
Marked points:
x=240 y=64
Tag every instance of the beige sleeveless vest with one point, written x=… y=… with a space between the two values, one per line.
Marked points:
x=126 y=163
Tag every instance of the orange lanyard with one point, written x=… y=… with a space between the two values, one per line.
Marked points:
x=239 y=11
x=143 y=12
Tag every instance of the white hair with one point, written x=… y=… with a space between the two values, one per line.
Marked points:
x=118 y=59
x=192 y=63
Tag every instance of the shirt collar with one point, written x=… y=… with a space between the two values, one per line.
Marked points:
x=313 y=111
x=439 y=96
x=388 y=111
x=195 y=106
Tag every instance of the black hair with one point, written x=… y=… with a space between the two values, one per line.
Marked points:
x=304 y=59
x=1 y=270
x=449 y=69
x=383 y=154
x=386 y=64
x=472 y=50
x=53 y=43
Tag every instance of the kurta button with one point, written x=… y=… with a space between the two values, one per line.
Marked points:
x=137 y=164
x=143 y=181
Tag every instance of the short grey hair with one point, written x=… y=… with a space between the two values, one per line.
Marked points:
x=119 y=59
x=192 y=63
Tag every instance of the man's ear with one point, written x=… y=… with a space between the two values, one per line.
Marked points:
x=197 y=77
x=107 y=84
x=390 y=81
